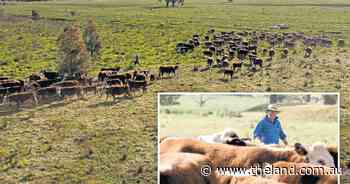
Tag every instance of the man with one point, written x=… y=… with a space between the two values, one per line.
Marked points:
x=269 y=129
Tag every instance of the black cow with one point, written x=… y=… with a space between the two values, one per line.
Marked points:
x=4 y=78
x=34 y=77
x=152 y=77
x=257 y=62
x=168 y=70
x=139 y=77
x=116 y=91
x=237 y=65
x=135 y=85
x=228 y=72
x=112 y=82
x=208 y=53
x=46 y=82
x=242 y=53
x=51 y=75
x=271 y=53
x=210 y=61
x=116 y=69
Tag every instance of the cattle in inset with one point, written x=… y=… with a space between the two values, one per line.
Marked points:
x=246 y=156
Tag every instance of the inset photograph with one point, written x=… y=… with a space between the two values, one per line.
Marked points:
x=248 y=137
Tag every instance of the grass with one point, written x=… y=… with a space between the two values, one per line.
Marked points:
x=94 y=141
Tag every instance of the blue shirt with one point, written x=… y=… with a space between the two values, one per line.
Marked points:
x=269 y=132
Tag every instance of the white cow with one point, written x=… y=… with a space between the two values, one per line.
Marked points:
x=222 y=137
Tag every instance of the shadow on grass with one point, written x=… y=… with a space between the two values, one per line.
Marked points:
x=110 y=102
x=6 y=110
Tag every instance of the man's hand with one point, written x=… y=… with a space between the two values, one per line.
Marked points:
x=285 y=142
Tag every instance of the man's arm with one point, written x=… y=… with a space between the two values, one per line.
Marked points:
x=283 y=135
x=257 y=131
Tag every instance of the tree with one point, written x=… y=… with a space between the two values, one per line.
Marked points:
x=72 y=53
x=91 y=38
x=169 y=99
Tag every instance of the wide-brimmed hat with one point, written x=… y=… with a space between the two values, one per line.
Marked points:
x=273 y=108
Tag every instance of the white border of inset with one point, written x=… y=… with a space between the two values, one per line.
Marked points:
x=254 y=93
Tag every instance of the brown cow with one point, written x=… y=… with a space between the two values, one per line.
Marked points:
x=236 y=156
x=179 y=168
x=190 y=168
x=245 y=180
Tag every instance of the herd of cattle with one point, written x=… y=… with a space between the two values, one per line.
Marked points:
x=229 y=50
x=182 y=160
x=49 y=85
